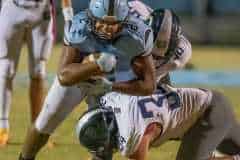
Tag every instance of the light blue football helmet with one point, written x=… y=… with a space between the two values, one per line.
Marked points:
x=101 y=8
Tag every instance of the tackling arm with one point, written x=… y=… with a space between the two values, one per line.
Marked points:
x=145 y=85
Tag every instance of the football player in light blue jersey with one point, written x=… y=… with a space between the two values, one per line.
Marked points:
x=109 y=30
x=105 y=28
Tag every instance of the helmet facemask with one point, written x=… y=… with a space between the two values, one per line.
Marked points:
x=107 y=28
x=107 y=17
x=98 y=133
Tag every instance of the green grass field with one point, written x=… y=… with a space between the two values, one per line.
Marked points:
x=67 y=147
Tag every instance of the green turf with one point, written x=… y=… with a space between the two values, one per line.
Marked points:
x=66 y=144
x=216 y=58
x=204 y=58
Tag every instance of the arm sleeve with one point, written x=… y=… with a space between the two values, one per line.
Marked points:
x=148 y=42
x=183 y=52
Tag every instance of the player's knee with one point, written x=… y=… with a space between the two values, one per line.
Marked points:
x=217 y=96
x=38 y=71
x=7 y=69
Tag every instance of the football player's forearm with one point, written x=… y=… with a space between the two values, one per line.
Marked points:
x=144 y=85
x=77 y=72
x=134 y=87
x=168 y=67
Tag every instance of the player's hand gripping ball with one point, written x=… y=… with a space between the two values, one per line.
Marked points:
x=106 y=61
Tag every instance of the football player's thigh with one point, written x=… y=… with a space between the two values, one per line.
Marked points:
x=11 y=38
x=40 y=41
x=59 y=102
x=208 y=132
x=13 y=16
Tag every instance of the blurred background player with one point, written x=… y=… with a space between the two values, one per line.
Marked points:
x=106 y=29
x=133 y=125
x=30 y=22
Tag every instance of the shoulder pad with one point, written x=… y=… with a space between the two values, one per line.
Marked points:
x=139 y=9
x=75 y=31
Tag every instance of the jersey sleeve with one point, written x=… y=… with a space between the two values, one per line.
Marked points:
x=183 y=52
x=75 y=31
x=148 y=39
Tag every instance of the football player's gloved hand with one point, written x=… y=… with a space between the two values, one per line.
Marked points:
x=107 y=62
x=101 y=86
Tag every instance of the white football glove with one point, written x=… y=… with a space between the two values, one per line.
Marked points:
x=107 y=62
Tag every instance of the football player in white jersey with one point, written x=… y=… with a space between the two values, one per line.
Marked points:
x=171 y=49
x=203 y=120
x=106 y=28
x=23 y=21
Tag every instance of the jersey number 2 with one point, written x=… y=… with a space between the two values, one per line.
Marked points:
x=172 y=98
